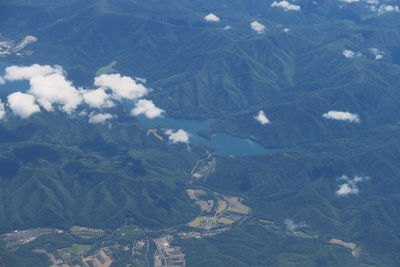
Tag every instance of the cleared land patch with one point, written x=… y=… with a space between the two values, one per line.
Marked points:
x=204 y=205
x=225 y=220
x=204 y=168
x=222 y=205
x=194 y=194
x=236 y=206
x=199 y=221
x=101 y=259
x=355 y=251
x=86 y=232
x=155 y=133
x=107 y=69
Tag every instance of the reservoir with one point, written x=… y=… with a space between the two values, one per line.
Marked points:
x=222 y=144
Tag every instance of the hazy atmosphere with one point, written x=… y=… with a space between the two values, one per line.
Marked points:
x=199 y=133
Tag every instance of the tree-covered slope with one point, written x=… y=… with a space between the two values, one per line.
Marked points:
x=59 y=171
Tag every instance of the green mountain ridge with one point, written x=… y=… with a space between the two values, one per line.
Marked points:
x=58 y=170
x=74 y=173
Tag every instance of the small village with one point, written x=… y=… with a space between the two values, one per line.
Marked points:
x=100 y=248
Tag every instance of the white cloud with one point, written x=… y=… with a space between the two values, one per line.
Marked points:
x=49 y=89
x=179 y=136
x=350 y=185
x=342 y=116
x=383 y=8
x=142 y=80
x=2 y=110
x=286 y=6
x=387 y=8
x=2 y=81
x=377 y=53
x=286 y=30
x=212 y=18
x=22 y=105
x=55 y=89
x=258 y=27
x=147 y=108
x=48 y=84
x=291 y=226
x=97 y=98
x=261 y=118
x=99 y=118
x=16 y=73
x=350 y=1
x=227 y=27
x=83 y=113
x=121 y=86
x=351 y=54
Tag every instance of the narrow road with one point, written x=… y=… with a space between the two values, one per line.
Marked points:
x=197 y=163
x=148 y=245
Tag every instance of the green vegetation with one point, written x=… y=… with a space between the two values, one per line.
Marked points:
x=78 y=249
x=60 y=171
x=123 y=246
x=63 y=172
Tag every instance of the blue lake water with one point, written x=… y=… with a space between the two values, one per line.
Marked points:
x=223 y=144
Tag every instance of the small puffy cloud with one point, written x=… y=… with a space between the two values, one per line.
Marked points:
x=386 y=8
x=227 y=27
x=179 y=136
x=286 y=30
x=142 y=80
x=286 y=6
x=97 y=98
x=258 y=27
x=346 y=189
x=351 y=54
x=211 y=18
x=147 y=108
x=291 y=226
x=374 y=6
x=349 y=187
x=377 y=53
x=55 y=89
x=16 y=73
x=341 y=116
x=100 y=118
x=50 y=89
x=83 y=113
x=2 y=81
x=47 y=84
x=261 y=118
x=121 y=86
x=22 y=105
x=2 y=110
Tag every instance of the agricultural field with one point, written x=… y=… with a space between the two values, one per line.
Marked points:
x=228 y=210
x=235 y=205
x=250 y=133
